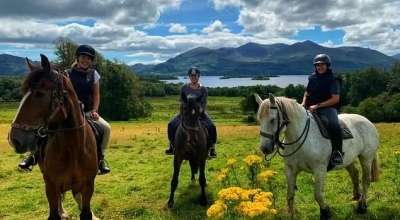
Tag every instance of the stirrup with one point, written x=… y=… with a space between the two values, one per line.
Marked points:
x=28 y=169
x=106 y=163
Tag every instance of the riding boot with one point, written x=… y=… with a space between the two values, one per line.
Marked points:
x=212 y=153
x=337 y=153
x=29 y=162
x=170 y=149
x=103 y=165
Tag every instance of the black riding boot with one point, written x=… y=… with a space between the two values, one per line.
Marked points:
x=212 y=153
x=103 y=166
x=29 y=162
x=337 y=153
x=170 y=149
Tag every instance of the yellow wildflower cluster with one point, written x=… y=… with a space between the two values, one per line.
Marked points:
x=223 y=173
x=266 y=175
x=231 y=162
x=249 y=203
x=397 y=153
x=253 y=160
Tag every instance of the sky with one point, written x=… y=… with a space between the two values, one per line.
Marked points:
x=153 y=31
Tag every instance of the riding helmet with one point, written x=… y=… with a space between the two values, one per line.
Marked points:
x=85 y=49
x=194 y=70
x=322 y=58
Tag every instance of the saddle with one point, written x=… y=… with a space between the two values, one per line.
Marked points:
x=98 y=131
x=323 y=125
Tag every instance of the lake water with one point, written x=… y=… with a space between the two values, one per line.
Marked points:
x=214 y=81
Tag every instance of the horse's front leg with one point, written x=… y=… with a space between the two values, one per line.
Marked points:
x=53 y=195
x=86 y=196
x=202 y=181
x=61 y=210
x=291 y=177
x=175 y=180
x=319 y=178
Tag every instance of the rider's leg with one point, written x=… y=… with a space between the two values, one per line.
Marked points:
x=212 y=133
x=335 y=133
x=171 y=135
x=103 y=166
x=30 y=161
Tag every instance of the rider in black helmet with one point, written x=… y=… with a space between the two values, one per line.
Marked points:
x=86 y=85
x=322 y=96
x=194 y=87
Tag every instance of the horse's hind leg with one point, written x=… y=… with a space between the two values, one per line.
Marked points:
x=202 y=182
x=354 y=179
x=85 y=200
x=366 y=181
x=61 y=210
x=194 y=168
x=175 y=180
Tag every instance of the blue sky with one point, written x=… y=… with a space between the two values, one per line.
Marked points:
x=155 y=43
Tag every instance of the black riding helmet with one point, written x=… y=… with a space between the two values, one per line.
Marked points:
x=194 y=70
x=322 y=58
x=85 y=50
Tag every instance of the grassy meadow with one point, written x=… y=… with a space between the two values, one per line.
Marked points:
x=139 y=183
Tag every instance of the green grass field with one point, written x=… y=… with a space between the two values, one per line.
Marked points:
x=139 y=183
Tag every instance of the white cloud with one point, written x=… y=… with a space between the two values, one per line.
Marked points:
x=216 y=26
x=177 y=28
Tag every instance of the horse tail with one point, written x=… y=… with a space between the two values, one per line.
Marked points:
x=375 y=168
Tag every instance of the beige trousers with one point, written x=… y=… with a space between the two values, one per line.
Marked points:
x=107 y=132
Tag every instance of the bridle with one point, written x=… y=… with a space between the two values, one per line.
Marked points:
x=282 y=115
x=60 y=102
x=185 y=127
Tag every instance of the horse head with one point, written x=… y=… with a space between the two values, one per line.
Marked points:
x=45 y=105
x=190 y=114
x=273 y=121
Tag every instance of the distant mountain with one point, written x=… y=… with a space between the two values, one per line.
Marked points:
x=281 y=59
x=248 y=59
x=13 y=65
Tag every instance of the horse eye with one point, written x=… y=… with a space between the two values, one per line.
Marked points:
x=40 y=94
x=272 y=121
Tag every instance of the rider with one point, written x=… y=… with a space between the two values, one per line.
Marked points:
x=87 y=88
x=321 y=96
x=194 y=87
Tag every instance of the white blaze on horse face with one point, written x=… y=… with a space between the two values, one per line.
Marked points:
x=193 y=112
x=21 y=104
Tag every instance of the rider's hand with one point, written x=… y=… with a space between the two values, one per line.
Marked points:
x=95 y=115
x=313 y=108
x=201 y=110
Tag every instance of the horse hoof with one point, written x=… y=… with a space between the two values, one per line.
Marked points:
x=170 y=204
x=355 y=198
x=361 y=209
x=325 y=214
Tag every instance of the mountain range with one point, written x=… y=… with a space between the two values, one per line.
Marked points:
x=248 y=59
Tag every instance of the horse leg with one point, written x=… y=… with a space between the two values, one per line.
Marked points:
x=61 y=210
x=194 y=168
x=366 y=181
x=319 y=176
x=175 y=180
x=291 y=177
x=202 y=182
x=86 y=197
x=354 y=178
x=53 y=195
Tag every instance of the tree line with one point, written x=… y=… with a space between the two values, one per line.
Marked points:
x=372 y=92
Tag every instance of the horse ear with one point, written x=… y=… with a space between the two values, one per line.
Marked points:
x=184 y=97
x=258 y=98
x=31 y=66
x=45 y=64
x=272 y=98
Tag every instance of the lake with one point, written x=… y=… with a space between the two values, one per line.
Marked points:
x=214 y=81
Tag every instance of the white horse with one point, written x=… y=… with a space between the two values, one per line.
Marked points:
x=307 y=147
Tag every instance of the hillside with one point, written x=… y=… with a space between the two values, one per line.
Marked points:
x=282 y=59
x=250 y=59
x=397 y=56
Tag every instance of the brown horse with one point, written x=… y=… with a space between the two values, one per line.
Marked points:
x=50 y=111
x=191 y=143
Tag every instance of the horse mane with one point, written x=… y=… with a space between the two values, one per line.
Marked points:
x=290 y=106
x=192 y=102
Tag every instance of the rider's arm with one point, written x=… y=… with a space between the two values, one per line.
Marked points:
x=335 y=93
x=304 y=98
x=204 y=98
x=182 y=91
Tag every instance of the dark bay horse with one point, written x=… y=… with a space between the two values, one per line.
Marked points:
x=50 y=110
x=191 y=143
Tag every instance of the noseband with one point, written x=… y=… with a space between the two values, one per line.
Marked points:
x=59 y=102
x=282 y=115
x=185 y=127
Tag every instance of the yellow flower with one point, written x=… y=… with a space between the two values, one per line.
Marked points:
x=397 y=153
x=217 y=210
x=253 y=160
x=266 y=175
x=221 y=177
x=231 y=162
